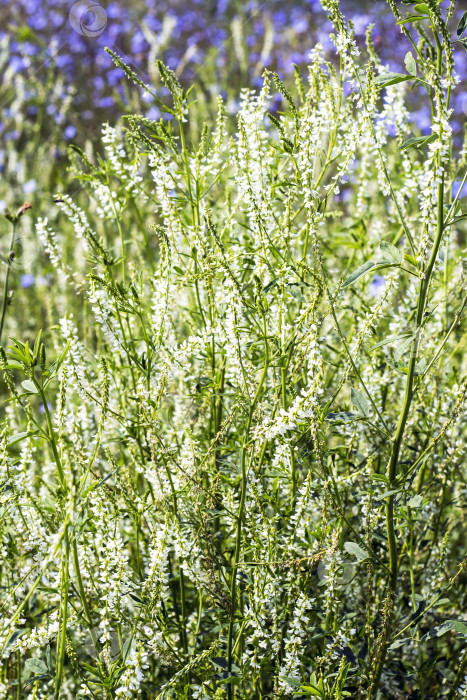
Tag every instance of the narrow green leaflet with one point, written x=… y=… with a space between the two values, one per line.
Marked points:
x=294 y=290
x=390 y=252
x=448 y=625
x=342 y=417
x=29 y=386
x=411 y=18
x=35 y=667
x=417 y=141
x=399 y=643
x=462 y=26
x=415 y=502
x=410 y=63
x=403 y=347
x=390 y=339
x=21 y=436
x=360 y=402
x=422 y=8
x=392 y=79
x=356 y=550
x=359 y=272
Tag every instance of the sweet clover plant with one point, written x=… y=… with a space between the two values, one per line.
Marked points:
x=233 y=441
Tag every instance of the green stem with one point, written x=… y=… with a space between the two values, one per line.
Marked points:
x=409 y=391
x=18 y=675
x=7 y=277
x=82 y=594
x=62 y=639
x=52 y=438
x=233 y=583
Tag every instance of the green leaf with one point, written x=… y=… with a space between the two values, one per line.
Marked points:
x=459 y=627
x=462 y=26
x=390 y=252
x=342 y=417
x=403 y=347
x=399 y=642
x=410 y=259
x=20 y=436
x=411 y=18
x=359 y=272
x=35 y=667
x=415 y=502
x=36 y=678
x=390 y=339
x=392 y=79
x=12 y=364
x=29 y=386
x=417 y=141
x=448 y=625
x=410 y=63
x=456 y=220
x=309 y=690
x=91 y=669
x=463 y=42
x=422 y=8
x=386 y=494
x=360 y=402
x=37 y=343
x=292 y=289
x=291 y=681
x=356 y=550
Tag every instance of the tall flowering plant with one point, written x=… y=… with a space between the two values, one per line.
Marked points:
x=242 y=475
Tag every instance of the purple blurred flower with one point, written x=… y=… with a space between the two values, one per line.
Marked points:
x=377 y=285
x=70 y=132
x=29 y=187
x=27 y=281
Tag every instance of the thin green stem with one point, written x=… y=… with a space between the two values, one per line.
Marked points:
x=7 y=277
x=65 y=584
x=238 y=539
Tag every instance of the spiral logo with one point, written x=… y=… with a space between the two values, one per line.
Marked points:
x=21 y=256
x=88 y=18
x=342 y=572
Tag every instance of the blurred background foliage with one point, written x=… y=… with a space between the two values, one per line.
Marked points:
x=58 y=86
